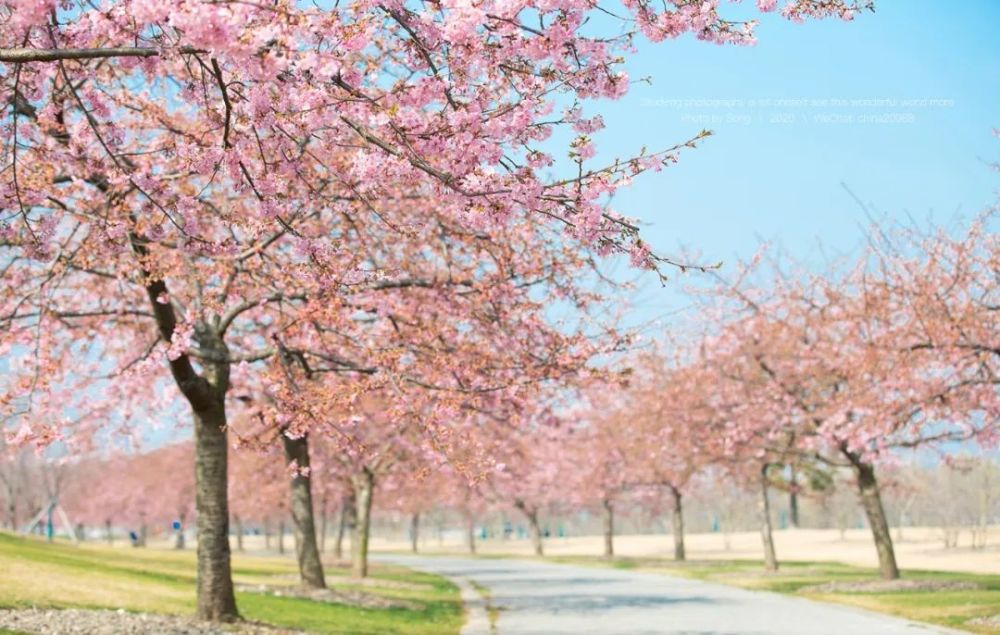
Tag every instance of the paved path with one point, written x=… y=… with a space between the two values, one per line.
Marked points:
x=555 y=599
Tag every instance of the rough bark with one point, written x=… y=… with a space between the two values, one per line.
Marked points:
x=764 y=508
x=609 y=528
x=364 y=484
x=414 y=532
x=281 y=537
x=677 y=523
x=304 y=524
x=871 y=501
x=216 y=600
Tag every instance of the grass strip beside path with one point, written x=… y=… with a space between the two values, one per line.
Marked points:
x=58 y=575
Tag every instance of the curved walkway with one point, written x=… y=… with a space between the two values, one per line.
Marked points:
x=554 y=599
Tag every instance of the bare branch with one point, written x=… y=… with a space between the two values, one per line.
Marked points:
x=18 y=55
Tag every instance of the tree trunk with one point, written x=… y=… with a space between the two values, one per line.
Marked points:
x=239 y=532
x=310 y=567
x=793 y=501
x=677 y=523
x=764 y=506
x=536 y=535
x=267 y=534
x=609 y=528
x=980 y=537
x=216 y=600
x=871 y=501
x=536 y=530
x=143 y=534
x=345 y=510
x=364 y=483
x=471 y=528
x=108 y=534
x=414 y=531
x=281 y=536
x=206 y=393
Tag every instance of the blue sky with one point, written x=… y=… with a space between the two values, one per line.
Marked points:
x=774 y=172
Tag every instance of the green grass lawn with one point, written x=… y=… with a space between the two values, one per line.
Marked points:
x=952 y=608
x=58 y=575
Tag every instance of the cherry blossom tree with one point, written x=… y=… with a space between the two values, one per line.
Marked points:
x=414 y=494
x=258 y=488
x=604 y=440
x=137 y=490
x=629 y=432
x=17 y=467
x=535 y=471
x=670 y=419
x=866 y=360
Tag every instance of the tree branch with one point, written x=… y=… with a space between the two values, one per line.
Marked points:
x=18 y=55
